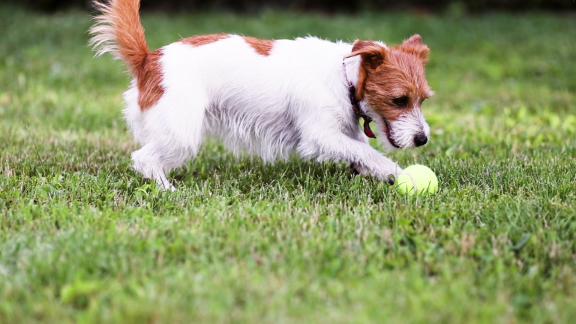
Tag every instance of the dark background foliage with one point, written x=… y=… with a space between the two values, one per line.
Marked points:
x=317 y=5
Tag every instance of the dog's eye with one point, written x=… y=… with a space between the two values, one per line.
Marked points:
x=401 y=101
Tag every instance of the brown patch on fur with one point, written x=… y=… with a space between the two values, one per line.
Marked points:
x=261 y=46
x=149 y=79
x=203 y=39
x=389 y=73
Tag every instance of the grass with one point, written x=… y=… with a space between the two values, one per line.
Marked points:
x=85 y=239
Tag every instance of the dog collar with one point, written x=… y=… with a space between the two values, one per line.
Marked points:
x=356 y=106
x=359 y=113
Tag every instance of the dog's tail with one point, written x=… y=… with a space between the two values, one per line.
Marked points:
x=118 y=31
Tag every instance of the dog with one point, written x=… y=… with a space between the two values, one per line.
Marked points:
x=270 y=98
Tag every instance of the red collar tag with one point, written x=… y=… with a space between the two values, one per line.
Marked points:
x=367 y=129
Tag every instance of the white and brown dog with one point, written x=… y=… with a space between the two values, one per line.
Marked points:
x=269 y=97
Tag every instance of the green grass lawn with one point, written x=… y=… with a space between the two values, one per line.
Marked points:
x=83 y=238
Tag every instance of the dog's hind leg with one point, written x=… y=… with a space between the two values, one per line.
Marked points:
x=148 y=162
x=173 y=134
x=158 y=157
x=167 y=150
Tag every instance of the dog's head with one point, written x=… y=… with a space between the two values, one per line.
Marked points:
x=391 y=83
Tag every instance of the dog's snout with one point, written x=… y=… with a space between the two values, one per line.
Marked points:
x=420 y=140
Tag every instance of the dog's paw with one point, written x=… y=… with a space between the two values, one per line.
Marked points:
x=357 y=169
x=164 y=183
x=391 y=174
x=395 y=174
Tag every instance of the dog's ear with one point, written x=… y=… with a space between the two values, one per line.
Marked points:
x=414 y=45
x=372 y=54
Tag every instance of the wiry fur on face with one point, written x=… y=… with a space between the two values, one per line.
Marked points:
x=392 y=84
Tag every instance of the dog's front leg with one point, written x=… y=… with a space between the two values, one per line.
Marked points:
x=339 y=147
x=356 y=168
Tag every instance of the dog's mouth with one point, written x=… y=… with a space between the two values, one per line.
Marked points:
x=387 y=131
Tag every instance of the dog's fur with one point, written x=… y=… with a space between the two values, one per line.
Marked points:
x=269 y=97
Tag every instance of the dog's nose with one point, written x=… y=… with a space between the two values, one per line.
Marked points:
x=420 y=140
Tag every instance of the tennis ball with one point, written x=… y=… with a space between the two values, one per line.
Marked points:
x=417 y=179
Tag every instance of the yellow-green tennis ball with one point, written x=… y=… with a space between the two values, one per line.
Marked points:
x=417 y=179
